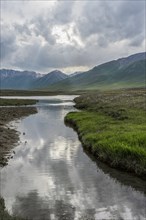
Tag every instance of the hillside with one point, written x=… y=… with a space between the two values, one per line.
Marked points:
x=125 y=72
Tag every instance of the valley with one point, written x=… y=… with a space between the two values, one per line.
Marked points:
x=105 y=159
x=126 y=72
x=50 y=153
x=73 y=110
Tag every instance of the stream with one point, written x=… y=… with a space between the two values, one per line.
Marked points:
x=50 y=177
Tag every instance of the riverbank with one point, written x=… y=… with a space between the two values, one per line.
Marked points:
x=9 y=137
x=4 y=215
x=112 y=126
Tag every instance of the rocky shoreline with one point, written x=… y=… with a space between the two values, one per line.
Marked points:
x=8 y=135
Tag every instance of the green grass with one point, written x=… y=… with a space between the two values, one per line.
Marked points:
x=113 y=127
x=10 y=92
x=16 y=102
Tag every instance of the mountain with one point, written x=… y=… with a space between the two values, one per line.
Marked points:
x=75 y=73
x=131 y=59
x=124 y=72
x=13 y=79
x=49 y=79
x=121 y=73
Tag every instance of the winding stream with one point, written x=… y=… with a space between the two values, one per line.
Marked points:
x=50 y=176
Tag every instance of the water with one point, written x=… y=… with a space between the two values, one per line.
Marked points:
x=51 y=177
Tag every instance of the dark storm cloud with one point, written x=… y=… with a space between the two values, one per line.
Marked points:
x=73 y=33
x=7 y=42
x=113 y=21
x=22 y=29
x=42 y=27
x=63 y=12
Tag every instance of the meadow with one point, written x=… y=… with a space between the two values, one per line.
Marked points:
x=16 y=102
x=112 y=126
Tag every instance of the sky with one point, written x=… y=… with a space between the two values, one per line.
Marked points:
x=69 y=35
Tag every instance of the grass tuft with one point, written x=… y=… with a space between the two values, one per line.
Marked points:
x=114 y=131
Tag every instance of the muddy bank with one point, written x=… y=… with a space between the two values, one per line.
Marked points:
x=8 y=135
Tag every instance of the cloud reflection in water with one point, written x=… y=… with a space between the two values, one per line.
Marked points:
x=51 y=177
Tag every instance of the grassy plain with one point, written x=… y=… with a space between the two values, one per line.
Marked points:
x=16 y=102
x=38 y=93
x=112 y=125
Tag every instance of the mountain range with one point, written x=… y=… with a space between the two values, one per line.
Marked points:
x=120 y=73
x=12 y=79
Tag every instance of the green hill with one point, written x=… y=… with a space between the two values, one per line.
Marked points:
x=114 y=74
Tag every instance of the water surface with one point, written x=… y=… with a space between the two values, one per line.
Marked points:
x=51 y=177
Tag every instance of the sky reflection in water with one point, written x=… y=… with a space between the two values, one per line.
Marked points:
x=51 y=177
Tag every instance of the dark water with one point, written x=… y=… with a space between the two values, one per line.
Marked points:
x=51 y=177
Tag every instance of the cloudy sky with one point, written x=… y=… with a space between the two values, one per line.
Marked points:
x=69 y=35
